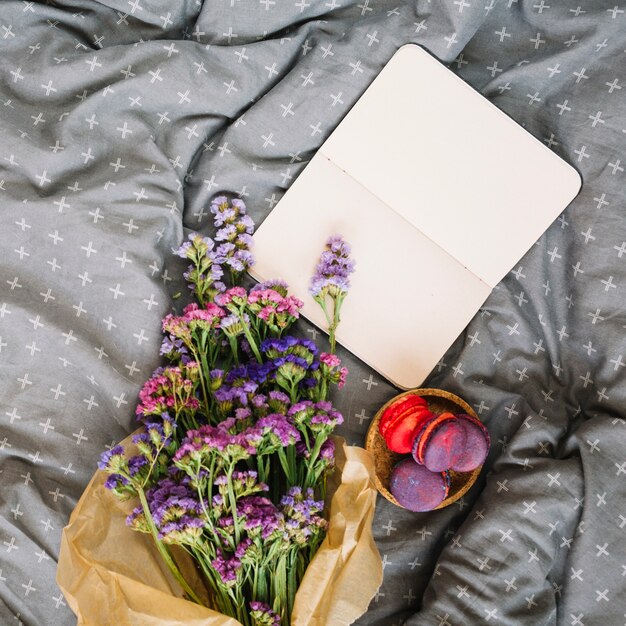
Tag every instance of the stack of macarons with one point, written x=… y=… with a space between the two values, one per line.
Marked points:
x=438 y=444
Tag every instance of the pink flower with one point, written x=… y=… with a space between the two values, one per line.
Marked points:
x=214 y=310
x=224 y=299
x=343 y=374
x=266 y=312
x=292 y=305
x=264 y=295
x=331 y=360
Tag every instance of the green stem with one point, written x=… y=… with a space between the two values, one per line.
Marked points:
x=164 y=552
x=322 y=303
x=292 y=582
x=280 y=589
x=205 y=393
x=337 y=302
x=284 y=462
x=310 y=479
x=233 y=504
x=323 y=390
x=252 y=342
x=234 y=349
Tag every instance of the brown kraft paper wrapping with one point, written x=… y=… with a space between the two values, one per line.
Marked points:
x=113 y=575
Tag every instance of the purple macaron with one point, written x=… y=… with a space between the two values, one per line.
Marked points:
x=416 y=488
x=476 y=445
x=446 y=444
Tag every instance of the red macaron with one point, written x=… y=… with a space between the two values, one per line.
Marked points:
x=401 y=419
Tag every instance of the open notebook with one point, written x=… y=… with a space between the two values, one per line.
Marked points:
x=439 y=194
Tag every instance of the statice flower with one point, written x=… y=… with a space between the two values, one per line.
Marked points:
x=227 y=568
x=275 y=311
x=279 y=431
x=332 y=273
x=205 y=271
x=233 y=326
x=332 y=280
x=243 y=375
x=261 y=517
x=112 y=459
x=136 y=463
x=278 y=402
x=303 y=523
x=231 y=398
x=318 y=417
x=230 y=440
x=235 y=230
x=174 y=349
x=183 y=333
x=168 y=389
x=176 y=512
x=246 y=484
x=233 y=299
x=327 y=452
x=276 y=284
x=116 y=482
x=294 y=362
x=230 y=567
x=216 y=378
x=206 y=317
x=262 y=615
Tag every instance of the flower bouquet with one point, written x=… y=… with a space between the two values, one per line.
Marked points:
x=232 y=465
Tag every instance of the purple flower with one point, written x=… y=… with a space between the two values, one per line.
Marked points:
x=176 y=512
x=327 y=452
x=278 y=426
x=261 y=516
x=106 y=457
x=321 y=416
x=228 y=233
x=274 y=284
x=333 y=269
x=262 y=615
x=227 y=569
x=233 y=325
x=135 y=463
x=278 y=402
x=115 y=480
x=301 y=511
x=234 y=230
x=240 y=260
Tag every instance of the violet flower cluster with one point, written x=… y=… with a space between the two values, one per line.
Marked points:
x=235 y=448
x=331 y=281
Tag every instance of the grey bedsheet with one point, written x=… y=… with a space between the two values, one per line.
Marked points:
x=120 y=120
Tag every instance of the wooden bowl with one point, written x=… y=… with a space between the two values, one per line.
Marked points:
x=385 y=460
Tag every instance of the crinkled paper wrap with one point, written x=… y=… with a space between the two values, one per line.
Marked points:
x=113 y=575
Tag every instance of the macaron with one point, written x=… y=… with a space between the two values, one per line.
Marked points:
x=400 y=420
x=402 y=406
x=445 y=446
x=476 y=447
x=400 y=434
x=423 y=436
x=417 y=488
